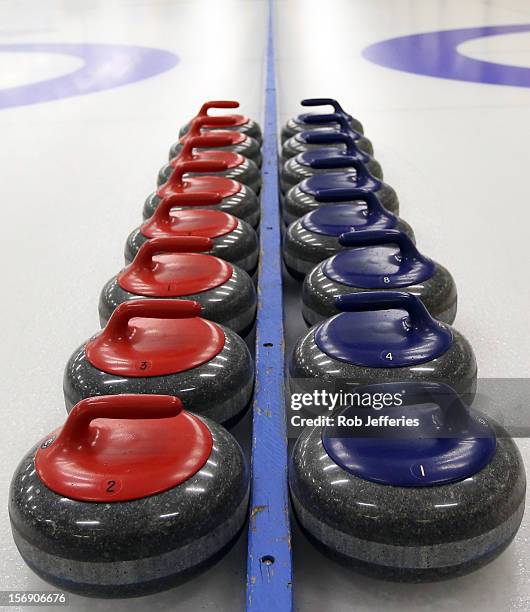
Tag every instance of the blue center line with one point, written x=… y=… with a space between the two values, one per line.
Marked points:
x=269 y=565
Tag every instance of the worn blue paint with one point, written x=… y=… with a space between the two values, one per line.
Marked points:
x=435 y=54
x=105 y=66
x=269 y=566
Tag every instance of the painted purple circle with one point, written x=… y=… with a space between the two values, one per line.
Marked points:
x=104 y=67
x=435 y=54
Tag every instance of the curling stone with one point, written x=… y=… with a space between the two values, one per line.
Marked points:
x=164 y=346
x=131 y=496
x=437 y=501
x=332 y=187
x=315 y=236
x=383 y=336
x=239 y=143
x=240 y=123
x=300 y=122
x=232 y=239
x=176 y=268
x=238 y=167
x=237 y=199
x=325 y=160
x=382 y=260
x=298 y=143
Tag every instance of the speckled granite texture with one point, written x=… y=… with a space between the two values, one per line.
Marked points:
x=303 y=249
x=232 y=304
x=220 y=389
x=131 y=548
x=293 y=172
x=244 y=204
x=239 y=247
x=249 y=148
x=438 y=293
x=295 y=144
x=408 y=534
x=457 y=367
x=296 y=203
x=247 y=173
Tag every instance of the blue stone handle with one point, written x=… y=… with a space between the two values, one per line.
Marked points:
x=348 y=194
x=333 y=138
x=383 y=236
x=328 y=163
x=340 y=161
x=461 y=448
x=369 y=301
x=341 y=119
x=322 y=102
x=453 y=409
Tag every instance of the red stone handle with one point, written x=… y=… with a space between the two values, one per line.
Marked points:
x=186 y=153
x=181 y=168
x=216 y=104
x=197 y=123
x=74 y=433
x=197 y=198
x=117 y=327
x=177 y=244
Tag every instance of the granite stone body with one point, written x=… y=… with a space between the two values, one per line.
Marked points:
x=131 y=548
x=249 y=148
x=408 y=533
x=220 y=389
x=438 y=293
x=303 y=249
x=457 y=367
x=293 y=172
x=246 y=173
x=232 y=304
x=297 y=203
x=244 y=204
x=296 y=144
x=239 y=247
x=250 y=128
x=295 y=126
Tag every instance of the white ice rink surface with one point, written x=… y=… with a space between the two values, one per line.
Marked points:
x=74 y=174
